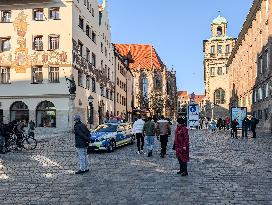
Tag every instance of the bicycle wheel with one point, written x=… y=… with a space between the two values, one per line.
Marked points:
x=12 y=144
x=29 y=143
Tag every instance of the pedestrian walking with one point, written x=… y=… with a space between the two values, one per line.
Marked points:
x=227 y=122
x=149 y=131
x=82 y=141
x=245 y=125
x=234 y=125
x=163 y=130
x=254 y=122
x=138 y=131
x=31 y=128
x=181 y=145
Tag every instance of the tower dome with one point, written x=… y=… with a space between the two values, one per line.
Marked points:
x=220 y=20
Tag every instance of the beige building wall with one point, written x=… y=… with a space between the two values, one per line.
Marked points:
x=217 y=50
x=20 y=60
x=70 y=62
x=250 y=79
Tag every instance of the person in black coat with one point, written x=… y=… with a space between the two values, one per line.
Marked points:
x=82 y=141
x=254 y=122
x=245 y=126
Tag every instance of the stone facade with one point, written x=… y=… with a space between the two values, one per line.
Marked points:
x=250 y=65
x=35 y=62
x=154 y=86
x=217 y=50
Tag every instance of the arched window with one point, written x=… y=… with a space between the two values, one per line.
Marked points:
x=145 y=86
x=46 y=114
x=19 y=111
x=219 y=96
x=219 y=31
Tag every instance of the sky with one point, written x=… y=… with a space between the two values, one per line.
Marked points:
x=176 y=29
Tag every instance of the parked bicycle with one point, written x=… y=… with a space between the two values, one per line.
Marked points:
x=19 y=141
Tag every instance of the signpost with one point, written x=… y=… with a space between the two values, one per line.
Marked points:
x=238 y=113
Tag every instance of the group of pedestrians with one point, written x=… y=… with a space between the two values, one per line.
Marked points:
x=248 y=124
x=149 y=130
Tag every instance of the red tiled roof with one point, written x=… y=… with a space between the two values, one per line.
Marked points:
x=183 y=94
x=142 y=55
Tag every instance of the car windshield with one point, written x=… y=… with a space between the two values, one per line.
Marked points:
x=106 y=128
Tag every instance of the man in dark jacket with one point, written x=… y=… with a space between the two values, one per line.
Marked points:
x=254 y=123
x=245 y=125
x=81 y=143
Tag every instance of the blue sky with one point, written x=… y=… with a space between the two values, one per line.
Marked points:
x=177 y=29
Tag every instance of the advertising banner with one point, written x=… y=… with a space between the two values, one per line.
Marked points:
x=193 y=115
x=238 y=113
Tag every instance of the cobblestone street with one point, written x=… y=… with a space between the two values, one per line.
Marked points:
x=221 y=171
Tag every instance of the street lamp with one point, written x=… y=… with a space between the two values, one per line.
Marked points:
x=90 y=100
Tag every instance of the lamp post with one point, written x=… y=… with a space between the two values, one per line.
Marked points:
x=90 y=100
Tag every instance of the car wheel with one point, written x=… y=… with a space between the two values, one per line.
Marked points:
x=112 y=146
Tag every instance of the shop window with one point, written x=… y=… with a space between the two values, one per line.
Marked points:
x=19 y=111
x=46 y=114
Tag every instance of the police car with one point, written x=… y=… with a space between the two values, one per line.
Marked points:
x=109 y=136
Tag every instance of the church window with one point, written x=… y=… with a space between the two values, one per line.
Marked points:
x=228 y=48
x=219 y=71
x=212 y=49
x=219 y=49
x=212 y=71
x=219 y=96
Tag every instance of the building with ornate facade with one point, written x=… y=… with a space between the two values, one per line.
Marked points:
x=48 y=75
x=217 y=50
x=250 y=65
x=154 y=86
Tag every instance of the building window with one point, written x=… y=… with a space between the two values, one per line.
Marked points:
x=260 y=94
x=93 y=85
x=5 y=44
x=88 y=30
x=46 y=114
x=37 y=75
x=54 y=74
x=19 y=111
x=38 y=43
x=219 y=31
x=93 y=59
x=38 y=14
x=93 y=36
x=88 y=82
x=80 y=78
x=260 y=64
x=54 y=13
x=88 y=53
x=5 y=75
x=219 y=49
x=80 y=22
x=6 y=16
x=219 y=71
x=93 y=12
x=212 y=49
x=102 y=91
x=219 y=96
x=107 y=93
x=264 y=61
x=145 y=87
x=53 y=42
x=111 y=95
x=80 y=48
x=108 y=73
x=212 y=71
x=227 y=49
